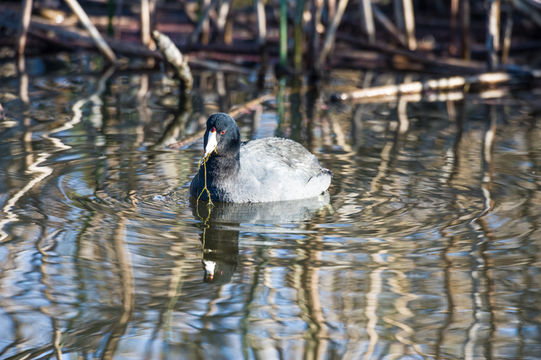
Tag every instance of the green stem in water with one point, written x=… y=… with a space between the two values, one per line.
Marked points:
x=205 y=188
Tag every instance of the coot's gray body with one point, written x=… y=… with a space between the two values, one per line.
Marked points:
x=263 y=170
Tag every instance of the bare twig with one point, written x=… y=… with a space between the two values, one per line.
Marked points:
x=506 y=46
x=367 y=23
x=261 y=22
x=94 y=33
x=223 y=11
x=388 y=25
x=527 y=10
x=409 y=22
x=146 y=9
x=493 y=33
x=23 y=27
x=203 y=24
x=331 y=33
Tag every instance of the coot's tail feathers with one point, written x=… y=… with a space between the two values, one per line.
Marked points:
x=320 y=182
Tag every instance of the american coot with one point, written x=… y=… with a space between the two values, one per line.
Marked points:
x=269 y=169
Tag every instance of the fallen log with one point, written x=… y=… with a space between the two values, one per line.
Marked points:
x=434 y=85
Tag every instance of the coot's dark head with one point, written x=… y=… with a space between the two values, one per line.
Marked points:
x=222 y=135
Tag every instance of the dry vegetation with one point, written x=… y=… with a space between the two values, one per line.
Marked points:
x=457 y=38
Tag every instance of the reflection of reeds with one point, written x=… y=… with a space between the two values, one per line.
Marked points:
x=449 y=294
x=488 y=163
x=480 y=296
x=125 y=277
x=399 y=285
x=41 y=173
x=57 y=335
x=371 y=309
x=449 y=172
x=483 y=282
x=307 y=276
x=249 y=304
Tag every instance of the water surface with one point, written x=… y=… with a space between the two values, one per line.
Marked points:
x=427 y=245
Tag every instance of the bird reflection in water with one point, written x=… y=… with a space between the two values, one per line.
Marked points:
x=221 y=228
x=220 y=242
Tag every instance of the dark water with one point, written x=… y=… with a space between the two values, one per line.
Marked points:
x=427 y=245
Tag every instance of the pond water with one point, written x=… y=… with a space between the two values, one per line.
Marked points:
x=426 y=246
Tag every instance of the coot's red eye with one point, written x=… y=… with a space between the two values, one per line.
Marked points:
x=222 y=132
x=213 y=129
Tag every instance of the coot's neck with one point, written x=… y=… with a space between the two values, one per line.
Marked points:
x=220 y=167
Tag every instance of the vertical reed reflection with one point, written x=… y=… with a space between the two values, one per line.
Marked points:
x=399 y=285
x=530 y=243
x=495 y=114
x=56 y=332
x=482 y=281
x=122 y=259
x=456 y=113
x=248 y=350
x=142 y=105
x=8 y=266
x=372 y=303
x=480 y=290
x=176 y=128
x=307 y=286
x=388 y=155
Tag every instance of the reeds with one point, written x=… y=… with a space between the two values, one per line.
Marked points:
x=317 y=27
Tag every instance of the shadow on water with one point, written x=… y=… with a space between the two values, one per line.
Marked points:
x=427 y=245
